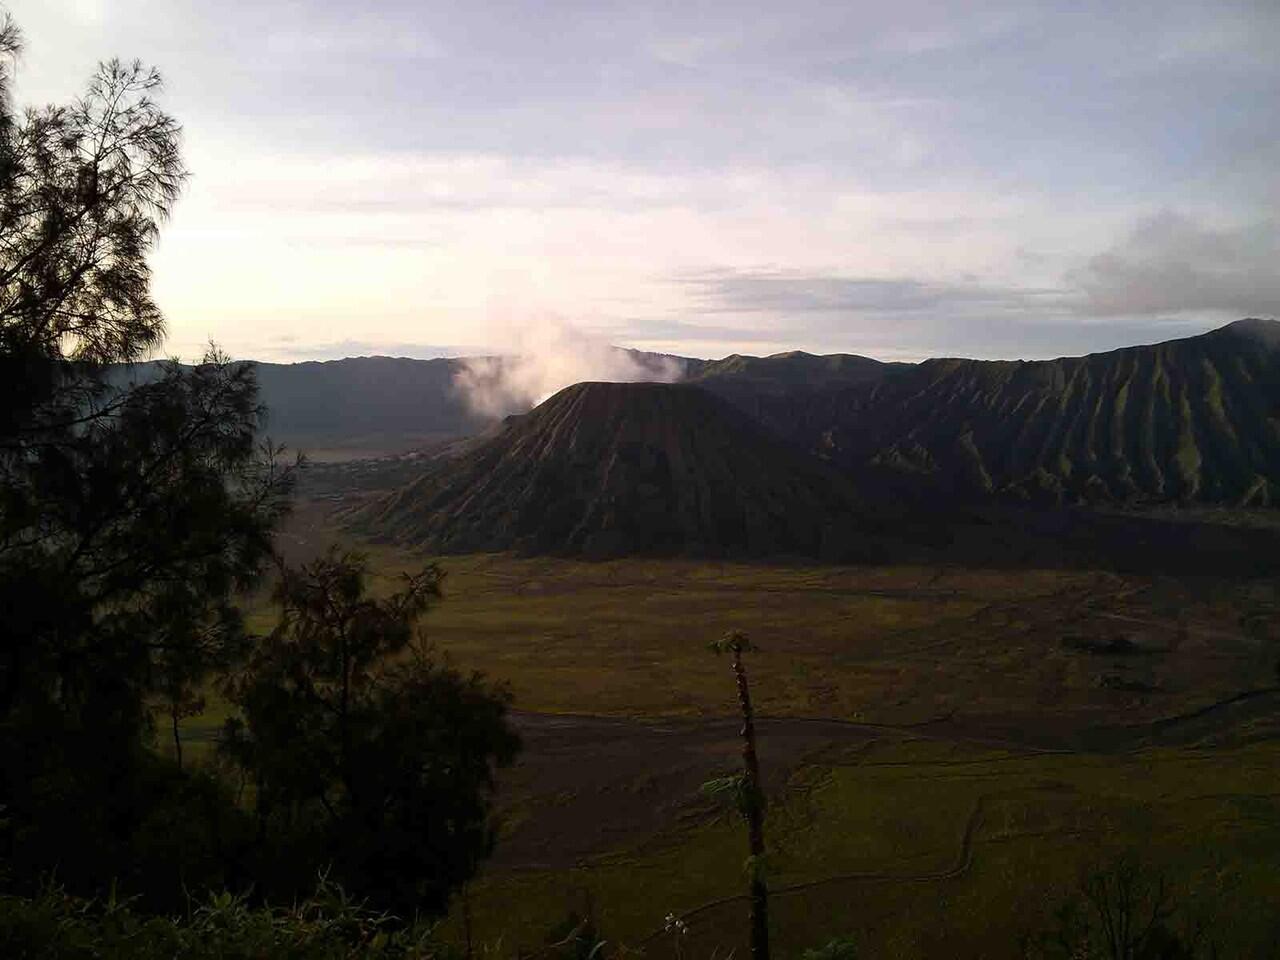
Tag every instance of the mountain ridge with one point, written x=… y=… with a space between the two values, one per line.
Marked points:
x=1183 y=420
x=1193 y=419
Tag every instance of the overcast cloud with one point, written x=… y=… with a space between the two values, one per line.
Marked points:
x=1171 y=264
x=894 y=179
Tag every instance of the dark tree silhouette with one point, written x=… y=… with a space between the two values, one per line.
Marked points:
x=83 y=189
x=1125 y=910
x=366 y=755
x=128 y=514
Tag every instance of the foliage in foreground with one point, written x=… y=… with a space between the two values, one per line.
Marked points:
x=367 y=755
x=327 y=926
x=132 y=515
x=1124 y=910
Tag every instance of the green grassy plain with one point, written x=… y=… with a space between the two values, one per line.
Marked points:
x=882 y=644
x=997 y=665
x=926 y=850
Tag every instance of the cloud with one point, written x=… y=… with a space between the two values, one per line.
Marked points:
x=891 y=318
x=788 y=291
x=1170 y=263
x=888 y=178
x=677 y=330
x=549 y=355
x=910 y=318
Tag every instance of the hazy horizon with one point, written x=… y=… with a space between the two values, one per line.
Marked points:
x=895 y=182
x=592 y=367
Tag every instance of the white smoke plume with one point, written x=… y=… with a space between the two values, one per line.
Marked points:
x=548 y=356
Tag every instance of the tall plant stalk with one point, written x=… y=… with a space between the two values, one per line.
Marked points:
x=751 y=796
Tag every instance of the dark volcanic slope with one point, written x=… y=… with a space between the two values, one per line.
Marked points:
x=610 y=468
x=777 y=389
x=1194 y=420
x=788 y=372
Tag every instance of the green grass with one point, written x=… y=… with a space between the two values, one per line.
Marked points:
x=884 y=645
x=893 y=645
x=894 y=825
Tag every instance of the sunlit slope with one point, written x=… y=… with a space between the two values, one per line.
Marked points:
x=1194 y=420
x=613 y=468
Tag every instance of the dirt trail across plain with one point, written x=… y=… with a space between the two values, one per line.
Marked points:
x=586 y=785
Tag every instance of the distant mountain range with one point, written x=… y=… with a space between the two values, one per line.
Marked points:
x=838 y=456
x=365 y=404
x=377 y=406
x=1195 y=420
x=360 y=406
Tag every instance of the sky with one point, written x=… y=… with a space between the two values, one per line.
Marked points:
x=899 y=180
